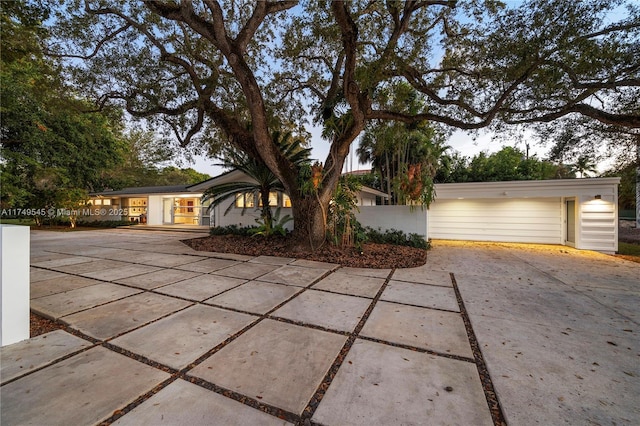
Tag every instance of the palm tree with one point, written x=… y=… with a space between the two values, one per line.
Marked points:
x=584 y=165
x=264 y=181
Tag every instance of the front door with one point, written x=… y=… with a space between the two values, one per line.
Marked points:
x=571 y=222
x=167 y=211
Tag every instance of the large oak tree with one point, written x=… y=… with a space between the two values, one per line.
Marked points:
x=238 y=70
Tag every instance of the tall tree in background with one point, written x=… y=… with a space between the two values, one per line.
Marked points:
x=406 y=156
x=584 y=165
x=509 y=163
x=205 y=69
x=51 y=149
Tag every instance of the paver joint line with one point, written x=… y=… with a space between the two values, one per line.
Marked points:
x=244 y=399
x=315 y=400
x=55 y=361
x=495 y=408
x=418 y=349
x=142 y=398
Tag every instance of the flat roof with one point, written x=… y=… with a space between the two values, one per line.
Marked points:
x=141 y=190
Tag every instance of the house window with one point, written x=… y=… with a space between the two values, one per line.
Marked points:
x=286 y=201
x=245 y=200
x=273 y=199
x=97 y=202
x=106 y=202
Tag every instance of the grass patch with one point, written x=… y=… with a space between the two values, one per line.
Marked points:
x=629 y=249
x=24 y=222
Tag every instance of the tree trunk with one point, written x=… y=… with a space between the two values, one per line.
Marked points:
x=266 y=210
x=386 y=157
x=638 y=182
x=309 y=223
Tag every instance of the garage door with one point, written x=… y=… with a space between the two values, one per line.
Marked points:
x=526 y=220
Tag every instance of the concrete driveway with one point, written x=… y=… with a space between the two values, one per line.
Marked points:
x=482 y=334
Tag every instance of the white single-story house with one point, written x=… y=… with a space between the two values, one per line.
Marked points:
x=581 y=213
x=182 y=205
x=152 y=205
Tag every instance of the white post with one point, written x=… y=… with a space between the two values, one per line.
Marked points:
x=14 y=280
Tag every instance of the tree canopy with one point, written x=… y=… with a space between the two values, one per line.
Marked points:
x=50 y=147
x=507 y=164
x=56 y=147
x=238 y=70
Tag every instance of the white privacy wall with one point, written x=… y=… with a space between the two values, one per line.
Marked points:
x=524 y=220
x=401 y=218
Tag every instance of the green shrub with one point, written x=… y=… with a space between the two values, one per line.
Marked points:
x=396 y=237
x=271 y=226
x=232 y=230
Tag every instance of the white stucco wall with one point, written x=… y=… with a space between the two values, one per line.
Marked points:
x=400 y=218
x=154 y=210
x=236 y=216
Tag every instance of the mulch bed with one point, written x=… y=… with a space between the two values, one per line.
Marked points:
x=40 y=325
x=377 y=256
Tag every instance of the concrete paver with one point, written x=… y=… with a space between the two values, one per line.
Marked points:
x=255 y=297
x=123 y=315
x=293 y=275
x=84 y=389
x=384 y=385
x=59 y=285
x=182 y=403
x=355 y=285
x=366 y=272
x=61 y=304
x=273 y=260
x=556 y=353
x=94 y=265
x=314 y=264
x=165 y=260
x=246 y=270
x=279 y=364
x=557 y=327
x=333 y=311
x=38 y=274
x=114 y=274
x=23 y=357
x=424 y=275
x=63 y=261
x=561 y=306
x=230 y=256
x=158 y=278
x=43 y=255
x=181 y=338
x=116 y=253
x=623 y=302
x=207 y=265
x=571 y=376
x=428 y=296
x=201 y=287
x=425 y=328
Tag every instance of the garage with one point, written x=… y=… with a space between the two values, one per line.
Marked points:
x=537 y=220
x=582 y=213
